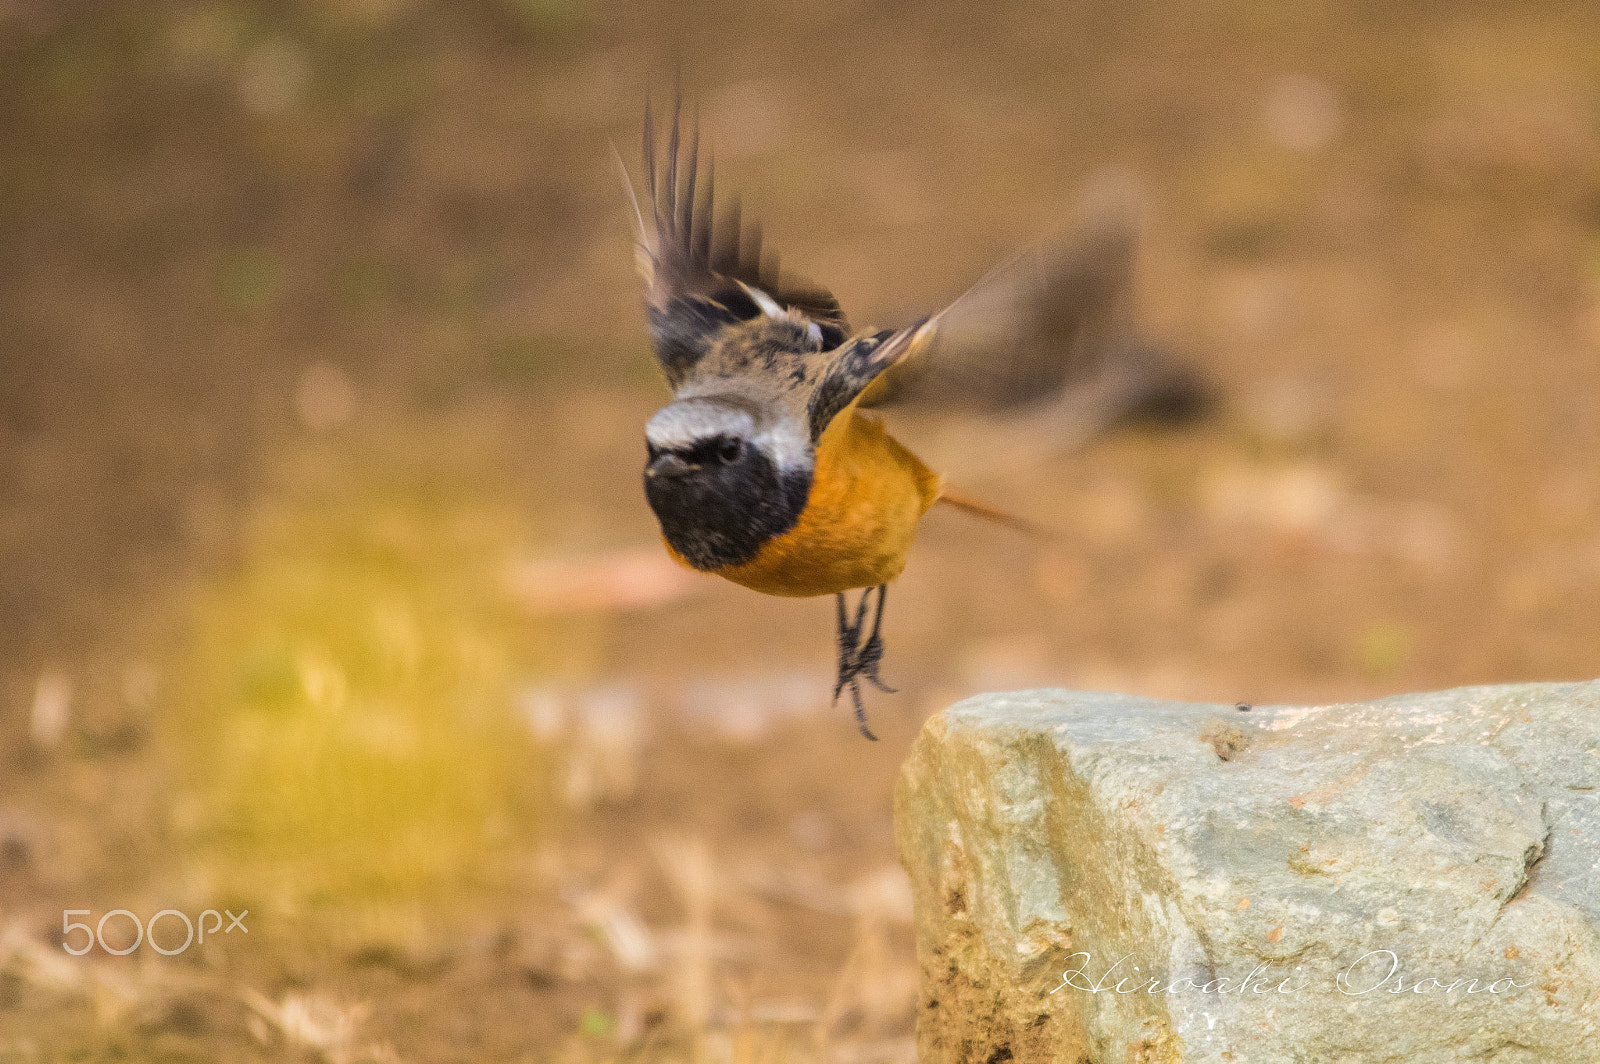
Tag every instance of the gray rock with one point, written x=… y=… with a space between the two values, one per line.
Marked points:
x=1111 y=879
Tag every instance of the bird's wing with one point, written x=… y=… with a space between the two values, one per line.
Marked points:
x=704 y=273
x=1045 y=319
x=858 y=364
x=1032 y=325
x=1051 y=329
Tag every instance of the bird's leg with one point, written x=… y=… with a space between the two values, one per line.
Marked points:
x=849 y=642
x=858 y=658
x=871 y=652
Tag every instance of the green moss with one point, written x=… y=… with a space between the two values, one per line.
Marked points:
x=1384 y=649
x=350 y=737
x=249 y=280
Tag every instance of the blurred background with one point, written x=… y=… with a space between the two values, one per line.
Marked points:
x=327 y=587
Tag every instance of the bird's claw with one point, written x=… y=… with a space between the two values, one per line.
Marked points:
x=858 y=658
x=867 y=660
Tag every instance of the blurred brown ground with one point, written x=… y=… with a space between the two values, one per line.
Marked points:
x=243 y=241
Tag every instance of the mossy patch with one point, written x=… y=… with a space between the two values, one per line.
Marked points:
x=350 y=738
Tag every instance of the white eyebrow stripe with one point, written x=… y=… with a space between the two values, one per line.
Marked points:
x=788 y=444
x=686 y=423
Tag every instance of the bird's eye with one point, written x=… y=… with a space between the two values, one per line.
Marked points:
x=729 y=450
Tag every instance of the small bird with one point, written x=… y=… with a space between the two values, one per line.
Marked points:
x=764 y=469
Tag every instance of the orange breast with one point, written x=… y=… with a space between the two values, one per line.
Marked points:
x=867 y=495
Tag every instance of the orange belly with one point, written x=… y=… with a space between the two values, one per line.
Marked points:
x=867 y=494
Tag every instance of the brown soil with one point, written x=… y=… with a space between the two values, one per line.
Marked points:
x=318 y=326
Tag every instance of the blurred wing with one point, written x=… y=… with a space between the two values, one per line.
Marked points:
x=697 y=269
x=1020 y=333
x=1057 y=318
x=859 y=363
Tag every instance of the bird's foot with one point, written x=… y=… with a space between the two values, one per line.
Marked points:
x=860 y=658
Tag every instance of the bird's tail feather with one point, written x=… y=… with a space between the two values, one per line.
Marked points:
x=968 y=504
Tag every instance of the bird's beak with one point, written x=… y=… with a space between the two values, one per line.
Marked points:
x=668 y=465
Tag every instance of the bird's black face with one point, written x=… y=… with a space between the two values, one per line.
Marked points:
x=718 y=493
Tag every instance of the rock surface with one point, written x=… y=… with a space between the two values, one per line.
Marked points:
x=1107 y=879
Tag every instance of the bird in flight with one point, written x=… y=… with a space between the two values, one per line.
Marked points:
x=765 y=468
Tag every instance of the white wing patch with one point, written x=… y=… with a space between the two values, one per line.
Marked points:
x=768 y=305
x=771 y=308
